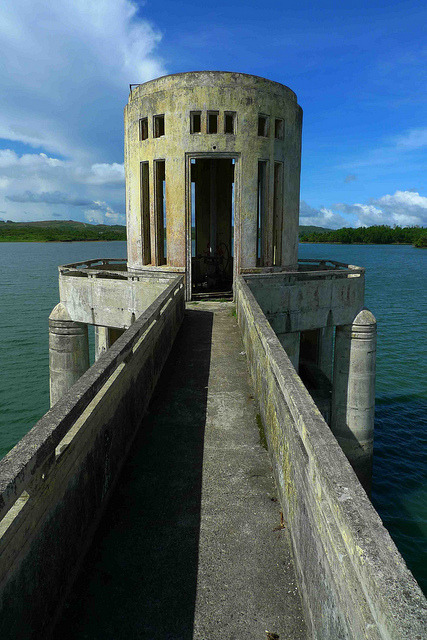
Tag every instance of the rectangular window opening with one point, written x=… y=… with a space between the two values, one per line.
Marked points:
x=277 y=213
x=159 y=126
x=160 y=183
x=262 y=210
x=263 y=126
x=229 y=122
x=195 y=121
x=212 y=121
x=143 y=129
x=145 y=214
x=278 y=129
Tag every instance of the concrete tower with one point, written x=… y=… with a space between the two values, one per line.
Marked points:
x=212 y=165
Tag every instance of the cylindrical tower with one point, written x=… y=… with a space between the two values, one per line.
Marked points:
x=212 y=164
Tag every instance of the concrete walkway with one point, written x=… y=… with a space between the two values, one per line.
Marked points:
x=191 y=547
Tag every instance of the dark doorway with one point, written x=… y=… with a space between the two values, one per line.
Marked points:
x=212 y=222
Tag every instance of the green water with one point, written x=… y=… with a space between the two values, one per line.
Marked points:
x=395 y=293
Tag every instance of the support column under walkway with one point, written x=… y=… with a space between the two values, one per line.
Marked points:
x=190 y=547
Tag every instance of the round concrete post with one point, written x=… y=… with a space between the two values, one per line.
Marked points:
x=68 y=352
x=353 y=394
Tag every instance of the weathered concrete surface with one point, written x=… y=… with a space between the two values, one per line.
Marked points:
x=108 y=299
x=353 y=580
x=54 y=484
x=353 y=395
x=308 y=300
x=176 y=96
x=191 y=546
x=68 y=352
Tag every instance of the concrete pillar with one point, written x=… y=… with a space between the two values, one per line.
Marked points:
x=68 y=352
x=326 y=341
x=291 y=343
x=102 y=341
x=353 y=394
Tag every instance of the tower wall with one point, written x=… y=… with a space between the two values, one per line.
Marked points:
x=239 y=102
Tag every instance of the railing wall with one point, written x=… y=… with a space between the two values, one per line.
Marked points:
x=354 y=582
x=54 y=484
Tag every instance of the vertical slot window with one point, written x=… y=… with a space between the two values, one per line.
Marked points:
x=193 y=207
x=278 y=129
x=145 y=214
x=277 y=213
x=229 y=122
x=262 y=210
x=159 y=126
x=212 y=121
x=143 y=129
x=263 y=126
x=195 y=121
x=160 y=211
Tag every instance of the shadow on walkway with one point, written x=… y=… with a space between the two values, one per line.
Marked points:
x=140 y=576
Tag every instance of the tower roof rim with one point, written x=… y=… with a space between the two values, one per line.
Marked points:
x=214 y=72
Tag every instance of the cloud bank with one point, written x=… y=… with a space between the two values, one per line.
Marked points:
x=404 y=208
x=64 y=79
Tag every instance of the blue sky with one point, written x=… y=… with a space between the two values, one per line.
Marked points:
x=358 y=69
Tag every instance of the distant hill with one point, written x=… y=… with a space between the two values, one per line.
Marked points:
x=304 y=229
x=59 y=231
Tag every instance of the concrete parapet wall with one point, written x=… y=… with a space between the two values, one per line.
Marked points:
x=55 y=482
x=108 y=298
x=354 y=582
x=299 y=301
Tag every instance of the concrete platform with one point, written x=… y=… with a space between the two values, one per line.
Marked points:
x=191 y=546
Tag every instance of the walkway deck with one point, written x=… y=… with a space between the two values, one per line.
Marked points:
x=190 y=547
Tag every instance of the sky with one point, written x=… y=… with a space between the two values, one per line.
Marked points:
x=358 y=69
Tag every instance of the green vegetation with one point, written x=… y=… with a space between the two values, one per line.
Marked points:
x=380 y=234
x=303 y=230
x=59 y=231
x=421 y=242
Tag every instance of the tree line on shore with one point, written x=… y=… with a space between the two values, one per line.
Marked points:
x=72 y=231
x=59 y=231
x=377 y=234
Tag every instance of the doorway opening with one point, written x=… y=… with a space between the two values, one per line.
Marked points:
x=212 y=227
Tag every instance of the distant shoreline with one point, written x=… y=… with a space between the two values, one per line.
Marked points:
x=12 y=240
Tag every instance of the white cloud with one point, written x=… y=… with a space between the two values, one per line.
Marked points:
x=107 y=173
x=64 y=80
x=412 y=139
x=409 y=144
x=404 y=208
x=50 y=187
x=322 y=217
x=65 y=73
x=103 y=214
x=94 y=217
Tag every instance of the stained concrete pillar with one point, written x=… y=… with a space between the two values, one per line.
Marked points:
x=291 y=344
x=68 y=352
x=353 y=394
x=102 y=341
x=326 y=350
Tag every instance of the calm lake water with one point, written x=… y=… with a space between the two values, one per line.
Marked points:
x=395 y=293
